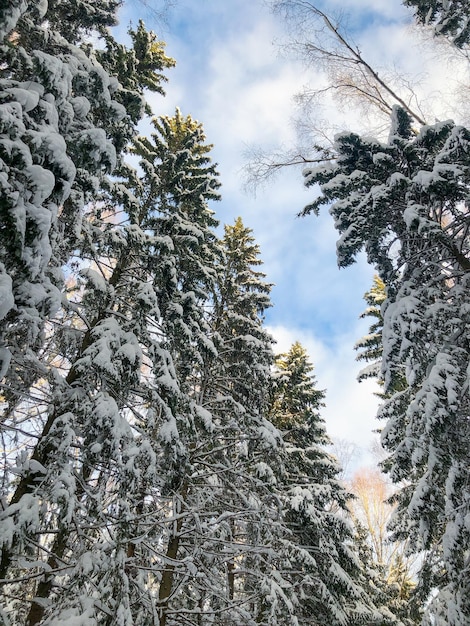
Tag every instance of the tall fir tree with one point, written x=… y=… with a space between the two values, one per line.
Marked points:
x=406 y=203
x=178 y=167
x=320 y=561
x=239 y=394
x=218 y=547
x=76 y=440
x=240 y=301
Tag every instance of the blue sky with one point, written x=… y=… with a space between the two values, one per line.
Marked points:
x=231 y=77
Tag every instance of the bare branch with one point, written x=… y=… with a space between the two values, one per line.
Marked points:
x=322 y=42
x=261 y=166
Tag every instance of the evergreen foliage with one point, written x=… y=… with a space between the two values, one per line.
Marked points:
x=449 y=18
x=369 y=347
x=405 y=203
x=64 y=128
x=71 y=356
x=389 y=587
x=320 y=560
x=237 y=392
x=389 y=568
x=240 y=301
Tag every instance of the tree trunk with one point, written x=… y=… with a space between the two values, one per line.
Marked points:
x=168 y=575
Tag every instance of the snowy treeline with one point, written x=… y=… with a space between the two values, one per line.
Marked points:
x=159 y=466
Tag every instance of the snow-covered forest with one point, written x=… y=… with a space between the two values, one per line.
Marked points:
x=161 y=463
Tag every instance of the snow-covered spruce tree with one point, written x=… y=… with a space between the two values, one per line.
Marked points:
x=63 y=128
x=449 y=18
x=369 y=347
x=238 y=394
x=177 y=165
x=42 y=504
x=66 y=114
x=165 y=272
x=177 y=158
x=107 y=483
x=241 y=299
x=216 y=493
x=406 y=203
x=318 y=559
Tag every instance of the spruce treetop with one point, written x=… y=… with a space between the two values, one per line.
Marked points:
x=297 y=400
